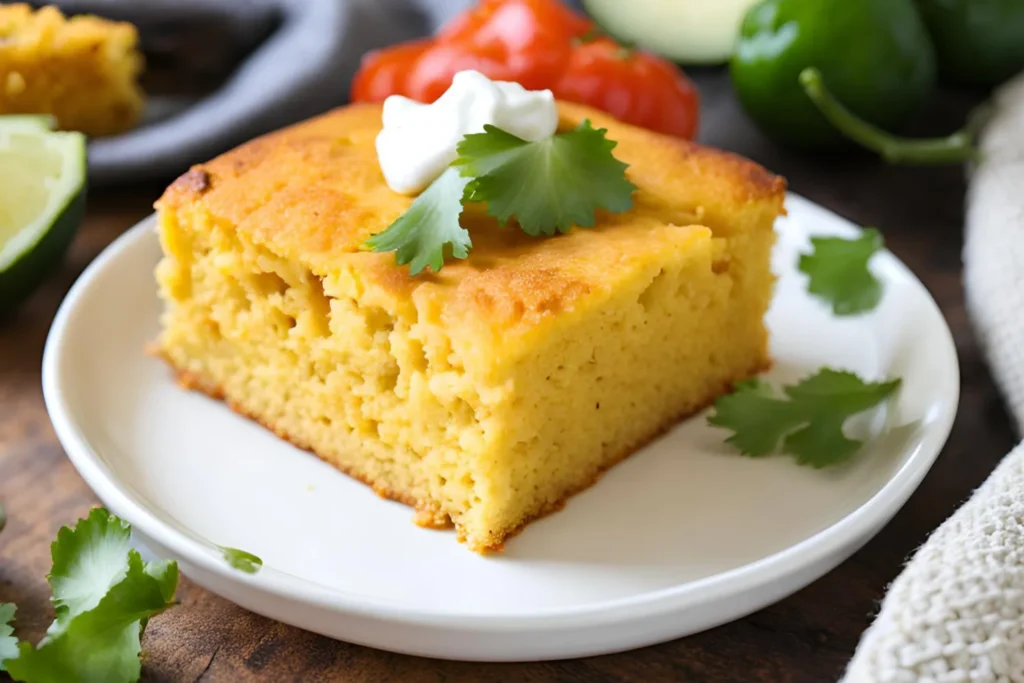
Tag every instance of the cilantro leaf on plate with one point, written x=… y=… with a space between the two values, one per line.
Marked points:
x=241 y=560
x=8 y=643
x=104 y=594
x=839 y=273
x=548 y=185
x=429 y=227
x=807 y=420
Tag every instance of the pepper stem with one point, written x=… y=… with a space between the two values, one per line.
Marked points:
x=953 y=149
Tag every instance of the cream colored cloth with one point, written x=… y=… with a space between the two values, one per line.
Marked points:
x=956 y=613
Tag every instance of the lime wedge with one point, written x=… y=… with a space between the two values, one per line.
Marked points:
x=42 y=200
x=28 y=121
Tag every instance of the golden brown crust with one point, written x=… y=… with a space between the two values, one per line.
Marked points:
x=195 y=182
x=741 y=179
x=348 y=134
x=313 y=193
x=426 y=514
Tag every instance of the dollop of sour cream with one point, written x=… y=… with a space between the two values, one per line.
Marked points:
x=418 y=141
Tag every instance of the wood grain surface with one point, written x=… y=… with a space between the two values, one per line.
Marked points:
x=807 y=637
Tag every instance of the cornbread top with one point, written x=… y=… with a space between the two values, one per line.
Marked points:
x=313 y=194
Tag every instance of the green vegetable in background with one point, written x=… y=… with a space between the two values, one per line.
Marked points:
x=875 y=55
x=951 y=149
x=977 y=42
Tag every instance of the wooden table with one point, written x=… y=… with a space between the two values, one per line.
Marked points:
x=807 y=637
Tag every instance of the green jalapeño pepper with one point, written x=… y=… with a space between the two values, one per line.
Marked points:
x=978 y=42
x=874 y=55
x=951 y=149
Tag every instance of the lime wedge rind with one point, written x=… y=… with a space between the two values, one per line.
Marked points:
x=23 y=276
x=31 y=253
x=71 y=147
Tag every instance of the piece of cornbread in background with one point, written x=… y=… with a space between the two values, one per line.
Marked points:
x=83 y=70
x=488 y=393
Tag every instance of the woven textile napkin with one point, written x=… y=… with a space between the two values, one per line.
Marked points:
x=956 y=613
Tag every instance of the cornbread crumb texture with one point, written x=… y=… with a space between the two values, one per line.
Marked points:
x=83 y=70
x=487 y=393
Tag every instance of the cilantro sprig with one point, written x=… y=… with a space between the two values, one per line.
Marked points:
x=8 y=643
x=839 y=273
x=430 y=228
x=546 y=186
x=104 y=594
x=549 y=185
x=806 y=420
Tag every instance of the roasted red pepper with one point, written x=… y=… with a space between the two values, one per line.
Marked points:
x=541 y=44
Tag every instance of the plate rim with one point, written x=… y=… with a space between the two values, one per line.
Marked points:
x=856 y=527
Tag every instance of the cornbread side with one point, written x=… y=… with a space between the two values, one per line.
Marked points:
x=82 y=70
x=486 y=394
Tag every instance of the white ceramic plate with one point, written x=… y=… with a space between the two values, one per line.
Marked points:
x=681 y=537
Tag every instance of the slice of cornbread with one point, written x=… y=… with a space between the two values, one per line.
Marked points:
x=486 y=394
x=81 y=70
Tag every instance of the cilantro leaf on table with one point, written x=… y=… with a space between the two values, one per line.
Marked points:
x=104 y=595
x=421 y=236
x=87 y=561
x=8 y=643
x=548 y=185
x=807 y=420
x=241 y=560
x=839 y=273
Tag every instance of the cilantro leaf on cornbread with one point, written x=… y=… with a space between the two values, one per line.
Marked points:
x=839 y=273
x=807 y=421
x=548 y=185
x=421 y=235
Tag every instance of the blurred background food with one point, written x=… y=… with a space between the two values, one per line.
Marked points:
x=978 y=42
x=83 y=71
x=685 y=31
x=874 y=55
x=542 y=45
x=251 y=66
x=816 y=77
